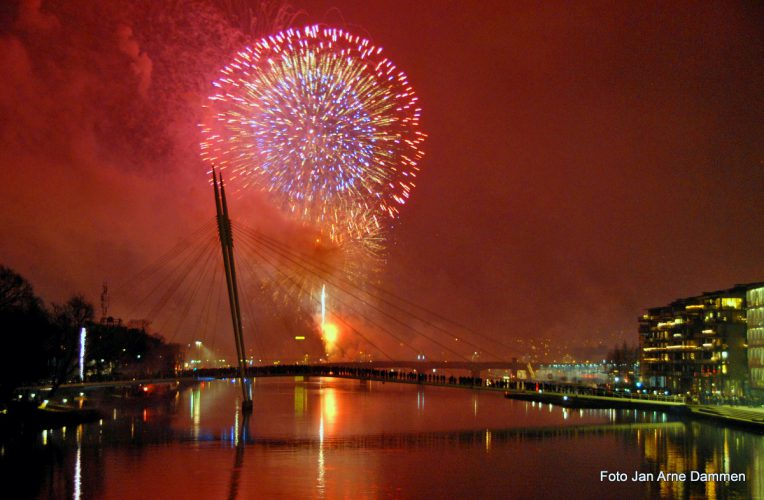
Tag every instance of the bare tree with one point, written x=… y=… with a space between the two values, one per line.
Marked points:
x=68 y=319
x=16 y=293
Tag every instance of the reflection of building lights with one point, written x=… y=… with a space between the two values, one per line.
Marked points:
x=300 y=400
x=236 y=427
x=195 y=401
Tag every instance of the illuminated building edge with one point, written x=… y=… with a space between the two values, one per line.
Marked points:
x=708 y=345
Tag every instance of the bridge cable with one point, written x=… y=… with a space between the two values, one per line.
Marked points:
x=381 y=299
x=251 y=273
x=160 y=263
x=300 y=287
x=183 y=273
x=345 y=322
x=191 y=290
x=171 y=266
x=327 y=279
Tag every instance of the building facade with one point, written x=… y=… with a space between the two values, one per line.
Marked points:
x=755 y=319
x=703 y=345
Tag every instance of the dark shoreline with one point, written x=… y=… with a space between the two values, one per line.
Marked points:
x=24 y=418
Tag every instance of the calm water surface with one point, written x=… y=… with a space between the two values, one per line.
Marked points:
x=333 y=438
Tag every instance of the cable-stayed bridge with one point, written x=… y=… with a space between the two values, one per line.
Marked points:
x=292 y=298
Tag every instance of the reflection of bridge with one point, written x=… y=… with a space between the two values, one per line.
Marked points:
x=400 y=440
x=470 y=438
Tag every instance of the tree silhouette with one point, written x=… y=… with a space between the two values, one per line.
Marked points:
x=24 y=325
x=64 y=343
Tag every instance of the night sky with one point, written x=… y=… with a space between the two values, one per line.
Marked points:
x=584 y=162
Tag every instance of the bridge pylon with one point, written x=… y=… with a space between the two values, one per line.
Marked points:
x=226 y=245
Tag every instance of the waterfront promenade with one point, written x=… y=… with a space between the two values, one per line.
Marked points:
x=748 y=416
x=744 y=415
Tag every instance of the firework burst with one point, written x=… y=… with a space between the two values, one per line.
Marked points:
x=324 y=123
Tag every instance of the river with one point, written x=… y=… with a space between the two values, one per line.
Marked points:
x=337 y=438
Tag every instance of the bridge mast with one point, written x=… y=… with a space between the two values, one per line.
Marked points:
x=226 y=244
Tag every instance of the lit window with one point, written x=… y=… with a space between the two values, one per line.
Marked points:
x=732 y=303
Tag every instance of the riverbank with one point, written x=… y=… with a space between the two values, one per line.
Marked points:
x=19 y=418
x=745 y=416
x=573 y=400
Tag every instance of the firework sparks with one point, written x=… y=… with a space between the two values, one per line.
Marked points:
x=322 y=121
